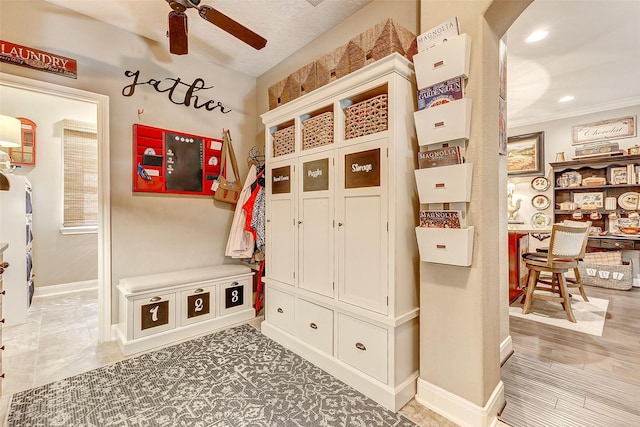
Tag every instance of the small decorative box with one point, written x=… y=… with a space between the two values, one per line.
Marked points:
x=594 y=181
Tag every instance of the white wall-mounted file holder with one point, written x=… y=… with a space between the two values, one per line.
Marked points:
x=446 y=122
x=443 y=62
x=453 y=246
x=445 y=184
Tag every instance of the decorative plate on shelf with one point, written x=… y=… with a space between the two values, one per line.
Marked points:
x=540 y=220
x=629 y=201
x=540 y=183
x=540 y=202
x=574 y=178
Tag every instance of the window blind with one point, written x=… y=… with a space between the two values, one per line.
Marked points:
x=80 y=159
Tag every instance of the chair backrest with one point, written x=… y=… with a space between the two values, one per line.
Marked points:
x=586 y=236
x=568 y=241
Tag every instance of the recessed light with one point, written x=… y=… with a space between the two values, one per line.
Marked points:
x=536 y=36
x=566 y=98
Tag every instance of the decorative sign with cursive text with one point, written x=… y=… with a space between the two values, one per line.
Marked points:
x=23 y=56
x=178 y=92
x=604 y=130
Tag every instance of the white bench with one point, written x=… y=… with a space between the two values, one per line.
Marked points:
x=157 y=309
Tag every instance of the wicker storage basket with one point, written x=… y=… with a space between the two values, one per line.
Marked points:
x=279 y=94
x=607 y=275
x=367 y=117
x=377 y=42
x=332 y=66
x=302 y=81
x=317 y=131
x=283 y=141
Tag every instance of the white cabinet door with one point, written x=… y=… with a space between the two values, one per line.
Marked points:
x=315 y=223
x=362 y=225
x=280 y=230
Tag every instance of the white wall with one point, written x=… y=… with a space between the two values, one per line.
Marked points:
x=57 y=259
x=557 y=138
x=150 y=233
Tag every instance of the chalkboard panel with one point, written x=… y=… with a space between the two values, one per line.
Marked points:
x=184 y=163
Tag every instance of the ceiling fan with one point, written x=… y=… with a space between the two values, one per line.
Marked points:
x=178 y=40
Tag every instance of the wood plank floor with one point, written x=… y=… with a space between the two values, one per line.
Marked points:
x=557 y=377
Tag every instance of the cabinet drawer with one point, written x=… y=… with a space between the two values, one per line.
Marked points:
x=280 y=310
x=363 y=346
x=616 y=244
x=154 y=314
x=235 y=295
x=314 y=325
x=197 y=304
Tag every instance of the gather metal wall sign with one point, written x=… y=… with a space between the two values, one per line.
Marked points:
x=28 y=57
x=178 y=92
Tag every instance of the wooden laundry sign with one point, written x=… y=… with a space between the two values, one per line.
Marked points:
x=28 y=57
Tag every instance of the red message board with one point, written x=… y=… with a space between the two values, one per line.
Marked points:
x=167 y=161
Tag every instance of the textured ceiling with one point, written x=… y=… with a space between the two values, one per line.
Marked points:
x=592 y=51
x=288 y=25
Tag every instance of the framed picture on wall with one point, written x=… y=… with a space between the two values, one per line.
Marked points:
x=525 y=154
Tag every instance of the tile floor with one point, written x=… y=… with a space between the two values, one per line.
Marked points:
x=60 y=339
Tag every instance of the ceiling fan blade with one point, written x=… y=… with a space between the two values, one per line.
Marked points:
x=178 y=41
x=232 y=27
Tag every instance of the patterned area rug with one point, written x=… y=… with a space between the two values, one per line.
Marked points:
x=237 y=377
x=590 y=316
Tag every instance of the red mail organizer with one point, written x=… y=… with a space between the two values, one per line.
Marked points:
x=166 y=161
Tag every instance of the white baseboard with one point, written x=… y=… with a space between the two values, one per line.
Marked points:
x=43 y=291
x=459 y=410
x=506 y=348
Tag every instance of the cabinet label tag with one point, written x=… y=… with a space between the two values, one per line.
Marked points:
x=362 y=169
x=315 y=175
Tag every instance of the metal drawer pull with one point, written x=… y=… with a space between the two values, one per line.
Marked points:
x=441 y=246
x=313 y=325
x=361 y=346
x=235 y=284
x=280 y=310
x=198 y=291
x=438 y=124
x=154 y=299
x=440 y=185
x=438 y=64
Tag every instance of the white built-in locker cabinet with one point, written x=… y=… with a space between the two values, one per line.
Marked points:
x=342 y=259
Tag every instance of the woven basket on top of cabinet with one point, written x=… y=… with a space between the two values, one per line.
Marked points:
x=367 y=117
x=317 y=131
x=283 y=141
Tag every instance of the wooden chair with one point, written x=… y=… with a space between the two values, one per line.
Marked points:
x=566 y=247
